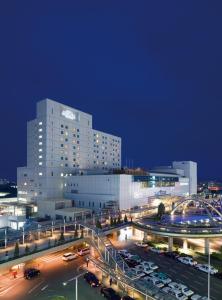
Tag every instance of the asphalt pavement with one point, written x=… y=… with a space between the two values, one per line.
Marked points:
x=191 y=277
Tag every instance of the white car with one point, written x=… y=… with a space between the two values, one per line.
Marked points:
x=146 y=270
x=156 y=250
x=137 y=273
x=157 y=282
x=149 y=264
x=196 y=297
x=174 y=285
x=185 y=290
x=69 y=256
x=187 y=260
x=141 y=244
x=167 y=290
x=179 y=295
x=205 y=269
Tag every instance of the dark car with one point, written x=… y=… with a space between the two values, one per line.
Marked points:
x=218 y=275
x=127 y=298
x=109 y=293
x=173 y=254
x=92 y=279
x=131 y=263
x=31 y=273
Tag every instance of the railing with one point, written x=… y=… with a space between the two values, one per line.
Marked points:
x=171 y=229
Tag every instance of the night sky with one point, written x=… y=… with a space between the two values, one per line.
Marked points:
x=148 y=71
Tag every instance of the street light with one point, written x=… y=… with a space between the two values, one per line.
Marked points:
x=208 y=297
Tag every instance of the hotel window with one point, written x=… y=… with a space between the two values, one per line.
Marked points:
x=40 y=173
x=40 y=136
x=40 y=150
x=40 y=163
x=62 y=174
x=40 y=123
x=62 y=126
x=62 y=131
x=40 y=156
x=40 y=143
x=61 y=145
x=40 y=129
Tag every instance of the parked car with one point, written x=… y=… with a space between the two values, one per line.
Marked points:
x=84 y=251
x=69 y=256
x=174 y=285
x=196 y=297
x=92 y=279
x=137 y=273
x=185 y=290
x=187 y=261
x=179 y=295
x=162 y=277
x=141 y=244
x=172 y=254
x=109 y=293
x=124 y=253
x=134 y=257
x=156 y=250
x=167 y=290
x=218 y=275
x=127 y=298
x=204 y=268
x=158 y=283
x=31 y=273
x=131 y=263
x=149 y=264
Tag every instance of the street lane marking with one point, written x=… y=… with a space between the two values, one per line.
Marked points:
x=71 y=279
x=45 y=287
x=35 y=287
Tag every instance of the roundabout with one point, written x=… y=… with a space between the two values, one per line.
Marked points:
x=190 y=218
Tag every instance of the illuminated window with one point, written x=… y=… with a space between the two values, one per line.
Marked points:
x=40 y=136
x=40 y=129
x=40 y=123
x=40 y=163
x=40 y=156
x=25 y=183
x=40 y=143
x=40 y=150
x=62 y=174
x=40 y=173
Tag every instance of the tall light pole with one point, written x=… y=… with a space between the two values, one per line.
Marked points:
x=208 y=297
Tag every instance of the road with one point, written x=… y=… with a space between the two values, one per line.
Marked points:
x=50 y=283
x=194 y=279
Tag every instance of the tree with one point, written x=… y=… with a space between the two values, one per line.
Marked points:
x=49 y=243
x=114 y=221
x=27 y=250
x=55 y=242
x=125 y=219
x=76 y=233
x=16 y=251
x=35 y=248
x=161 y=210
x=119 y=219
x=82 y=233
x=111 y=221
x=62 y=238
x=98 y=224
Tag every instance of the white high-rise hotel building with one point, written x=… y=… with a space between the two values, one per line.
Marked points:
x=70 y=164
x=61 y=142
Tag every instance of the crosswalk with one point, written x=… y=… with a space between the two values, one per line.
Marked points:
x=51 y=257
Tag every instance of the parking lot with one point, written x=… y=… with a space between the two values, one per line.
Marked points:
x=184 y=274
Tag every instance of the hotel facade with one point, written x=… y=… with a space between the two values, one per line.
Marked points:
x=70 y=161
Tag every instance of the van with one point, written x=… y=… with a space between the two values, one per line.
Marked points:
x=69 y=256
x=84 y=251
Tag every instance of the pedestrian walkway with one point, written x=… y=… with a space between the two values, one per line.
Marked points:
x=51 y=257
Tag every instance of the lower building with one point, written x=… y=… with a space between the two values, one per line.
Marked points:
x=122 y=191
